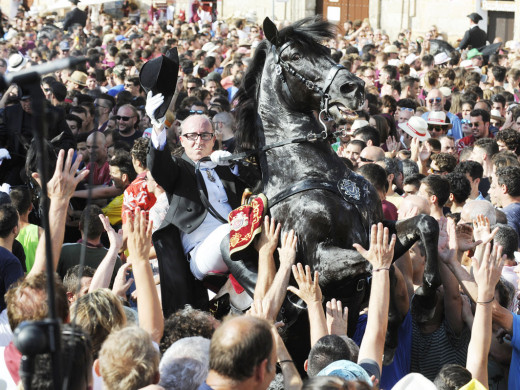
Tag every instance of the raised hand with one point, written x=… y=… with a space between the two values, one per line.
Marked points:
x=122 y=282
x=287 y=253
x=116 y=239
x=392 y=145
x=482 y=230
x=464 y=236
x=139 y=232
x=308 y=290
x=268 y=240
x=337 y=317
x=66 y=177
x=488 y=271
x=153 y=102
x=381 y=252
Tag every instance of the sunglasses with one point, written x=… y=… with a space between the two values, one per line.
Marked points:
x=406 y=109
x=196 y=112
x=436 y=128
x=464 y=121
x=129 y=85
x=194 y=136
x=366 y=160
x=436 y=100
x=124 y=118
x=474 y=124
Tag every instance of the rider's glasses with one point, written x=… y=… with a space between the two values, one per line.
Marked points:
x=194 y=136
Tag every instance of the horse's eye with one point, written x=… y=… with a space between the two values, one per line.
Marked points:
x=296 y=57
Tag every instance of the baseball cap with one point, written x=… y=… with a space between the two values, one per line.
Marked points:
x=473 y=53
x=347 y=370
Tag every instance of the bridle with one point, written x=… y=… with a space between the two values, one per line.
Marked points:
x=282 y=65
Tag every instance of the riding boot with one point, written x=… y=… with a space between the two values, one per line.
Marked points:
x=244 y=270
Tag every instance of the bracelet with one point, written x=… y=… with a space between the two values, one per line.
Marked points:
x=381 y=269
x=486 y=302
x=285 y=361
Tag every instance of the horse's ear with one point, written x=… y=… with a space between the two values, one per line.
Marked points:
x=270 y=31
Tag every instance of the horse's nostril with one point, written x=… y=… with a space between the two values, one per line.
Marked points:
x=347 y=88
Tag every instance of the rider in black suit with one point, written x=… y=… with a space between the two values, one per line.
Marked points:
x=475 y=37
x=74 y=16
x=187 y=212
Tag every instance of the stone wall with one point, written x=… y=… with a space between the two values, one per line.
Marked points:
x=419 y=15
x=291 y=10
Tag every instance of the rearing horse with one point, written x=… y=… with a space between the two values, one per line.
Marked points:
x=291 y=78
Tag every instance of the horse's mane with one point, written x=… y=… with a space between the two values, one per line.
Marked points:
x=307 y=33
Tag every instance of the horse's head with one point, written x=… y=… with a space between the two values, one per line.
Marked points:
x=306 y=75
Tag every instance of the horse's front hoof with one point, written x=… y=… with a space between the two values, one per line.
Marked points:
x=388 y=355
x=423 y=304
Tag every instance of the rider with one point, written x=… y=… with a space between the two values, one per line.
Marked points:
x=189 y=231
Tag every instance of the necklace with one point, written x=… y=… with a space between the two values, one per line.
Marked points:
x=210 y=176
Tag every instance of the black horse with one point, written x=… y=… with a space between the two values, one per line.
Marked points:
x=291 y=79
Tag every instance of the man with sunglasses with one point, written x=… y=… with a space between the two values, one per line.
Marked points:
x=127 y=119
x=435 y=102
x=479 y=123
x=189 y=231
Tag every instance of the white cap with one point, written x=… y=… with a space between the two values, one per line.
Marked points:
x=441 y=58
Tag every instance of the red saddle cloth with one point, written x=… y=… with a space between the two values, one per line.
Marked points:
x=245 y=223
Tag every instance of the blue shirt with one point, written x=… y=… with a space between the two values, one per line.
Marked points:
x=514 y=368
x=512 y=213
x=401 y=365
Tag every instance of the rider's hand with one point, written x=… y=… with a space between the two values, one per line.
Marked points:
x=219 y=156
x=153 y=102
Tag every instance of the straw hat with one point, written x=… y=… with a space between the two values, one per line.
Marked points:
x=79 y=78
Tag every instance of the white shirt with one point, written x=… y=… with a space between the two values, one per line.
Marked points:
x=216 y=196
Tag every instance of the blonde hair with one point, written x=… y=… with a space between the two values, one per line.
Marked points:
x=128 y=360
x=99 y=313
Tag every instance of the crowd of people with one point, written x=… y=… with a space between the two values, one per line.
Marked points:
x=135 y=233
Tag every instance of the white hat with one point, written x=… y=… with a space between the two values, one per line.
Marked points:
x=495 y=115
x=358 y=123
x=414 y=381
x=394 y=62
x=416 y=127
x=391 y=49
x=441 y=58
x=436 y=118
x=16 y=62
x=209 y=47
x=410 y=58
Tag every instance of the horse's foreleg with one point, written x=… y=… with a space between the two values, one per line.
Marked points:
x=343 y=275
x=425 y=229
